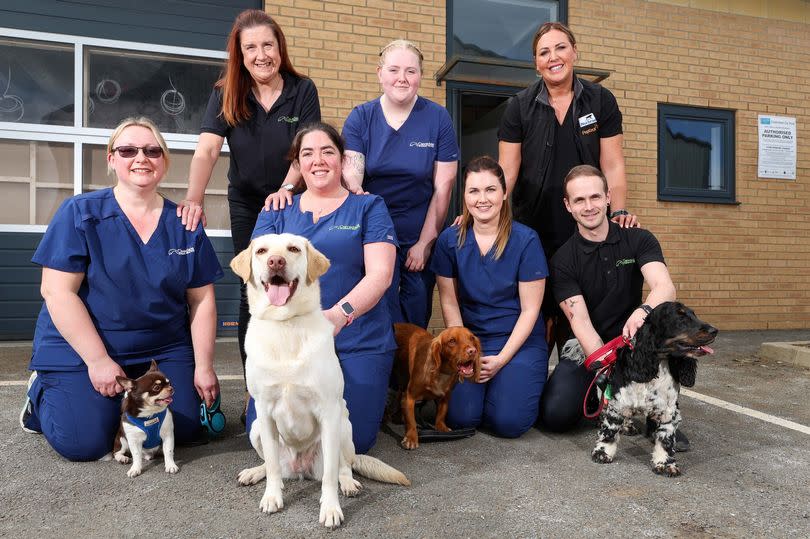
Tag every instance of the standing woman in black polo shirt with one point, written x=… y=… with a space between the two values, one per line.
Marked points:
x=555 y=124
x=258 y=106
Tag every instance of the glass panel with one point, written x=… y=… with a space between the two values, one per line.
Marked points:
x=34 y=180
x=174 y=183
x=693 y=154
x=170 y=90
x=36 y=82
x=499 y=28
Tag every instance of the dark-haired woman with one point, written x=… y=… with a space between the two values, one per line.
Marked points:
x=491 y=276
x=258 y=106
x=357 y=235
x=555 y=124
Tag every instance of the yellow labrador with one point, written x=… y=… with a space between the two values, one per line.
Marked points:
x=302 y=426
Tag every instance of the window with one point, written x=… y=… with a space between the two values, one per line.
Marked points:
x=695 y=154
x=490 y=41
x=50 y=152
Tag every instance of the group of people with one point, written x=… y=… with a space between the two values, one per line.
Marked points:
x=128 y=275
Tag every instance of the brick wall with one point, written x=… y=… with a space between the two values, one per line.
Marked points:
x=740 y=266
x=337 y=43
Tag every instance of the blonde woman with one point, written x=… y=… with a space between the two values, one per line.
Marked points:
x=491 y=275
x=124 y=283
x=403 y=148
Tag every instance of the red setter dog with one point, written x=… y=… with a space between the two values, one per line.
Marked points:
x=428 y=367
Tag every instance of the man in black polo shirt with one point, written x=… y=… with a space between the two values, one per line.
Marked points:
x=597 y=276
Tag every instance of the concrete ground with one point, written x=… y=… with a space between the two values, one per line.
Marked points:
x=747 y=475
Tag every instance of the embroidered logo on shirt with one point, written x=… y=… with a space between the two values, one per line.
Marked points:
x=345 y=227
x=288 y=119
x=181 y=251
x=422 y=144
x=389 y=237
x=625 y=261
x=587 y=120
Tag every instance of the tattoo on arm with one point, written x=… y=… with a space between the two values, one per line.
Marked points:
x=571 y=303
x=357 y=161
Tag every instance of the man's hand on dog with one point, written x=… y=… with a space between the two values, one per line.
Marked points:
x=102 y=376
x=633 y=323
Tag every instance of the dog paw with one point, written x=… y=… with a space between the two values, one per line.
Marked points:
x=123 y=459
x=251 y=476
x=349 y=486
x=600 y=456
x=272 y=501
x=331 y=515
x=410 y=442
x=134 y=471
x=172 y=468
x=670 y=470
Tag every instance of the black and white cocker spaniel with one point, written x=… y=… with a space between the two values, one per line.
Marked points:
x=646 y=380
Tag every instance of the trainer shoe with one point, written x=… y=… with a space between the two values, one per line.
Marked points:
x=28 y=408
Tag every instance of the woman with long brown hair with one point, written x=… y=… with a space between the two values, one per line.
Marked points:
x=258 y=106
x=491 y=275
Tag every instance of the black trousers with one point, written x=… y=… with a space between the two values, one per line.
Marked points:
x=244 y=213
x=561 y=402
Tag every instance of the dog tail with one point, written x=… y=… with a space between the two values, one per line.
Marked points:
x=378 y=470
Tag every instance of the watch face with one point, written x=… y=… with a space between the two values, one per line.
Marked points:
x=347 y=308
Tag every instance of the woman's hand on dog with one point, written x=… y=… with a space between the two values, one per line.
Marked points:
x=490 y=365
x=207 y=384
x=338 y=319
x=102 y=376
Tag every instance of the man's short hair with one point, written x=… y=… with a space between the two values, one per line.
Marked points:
x=580 y=171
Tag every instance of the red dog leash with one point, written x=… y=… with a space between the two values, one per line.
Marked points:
x=602 y=361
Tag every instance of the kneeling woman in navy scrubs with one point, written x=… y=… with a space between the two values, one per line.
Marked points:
x=491 y=275
x=356 y=234
x=123 y=283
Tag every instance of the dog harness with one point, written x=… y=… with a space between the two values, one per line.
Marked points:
x=602 y=361
x=151 y=426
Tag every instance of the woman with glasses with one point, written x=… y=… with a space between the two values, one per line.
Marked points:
x=124 y=283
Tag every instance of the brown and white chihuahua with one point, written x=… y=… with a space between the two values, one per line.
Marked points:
x=146 y=421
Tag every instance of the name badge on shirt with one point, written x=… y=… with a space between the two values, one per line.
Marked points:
x=587 y=120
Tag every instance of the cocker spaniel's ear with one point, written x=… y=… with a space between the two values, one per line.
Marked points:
x=436 y=353
x=684 y=370
x=641 y=364
x=240 y=264
x=317 y=263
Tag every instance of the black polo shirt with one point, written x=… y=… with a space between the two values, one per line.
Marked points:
x=259 y=145
x=545 y=157
x=607 y=274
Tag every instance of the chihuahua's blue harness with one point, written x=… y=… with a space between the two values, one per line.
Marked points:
x=151 y=426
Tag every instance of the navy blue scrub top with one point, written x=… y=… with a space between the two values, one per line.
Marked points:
x=487 y=288
x=135 y=292
x=340 y=236
x=400 y=162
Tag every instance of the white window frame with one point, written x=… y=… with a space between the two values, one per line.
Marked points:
x=79 y=135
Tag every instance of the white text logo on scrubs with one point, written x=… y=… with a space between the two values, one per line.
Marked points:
x=181 y=251
x=422 y=144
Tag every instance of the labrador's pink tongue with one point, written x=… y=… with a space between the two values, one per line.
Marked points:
x=278 y=294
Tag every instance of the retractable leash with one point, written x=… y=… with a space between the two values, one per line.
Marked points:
x=602 y=361
x=212 y=418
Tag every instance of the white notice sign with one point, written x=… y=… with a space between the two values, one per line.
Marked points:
x=777 y=147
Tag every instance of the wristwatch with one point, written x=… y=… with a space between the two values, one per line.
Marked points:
x=646 y=308
x=289 y=187
x=348 y=311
